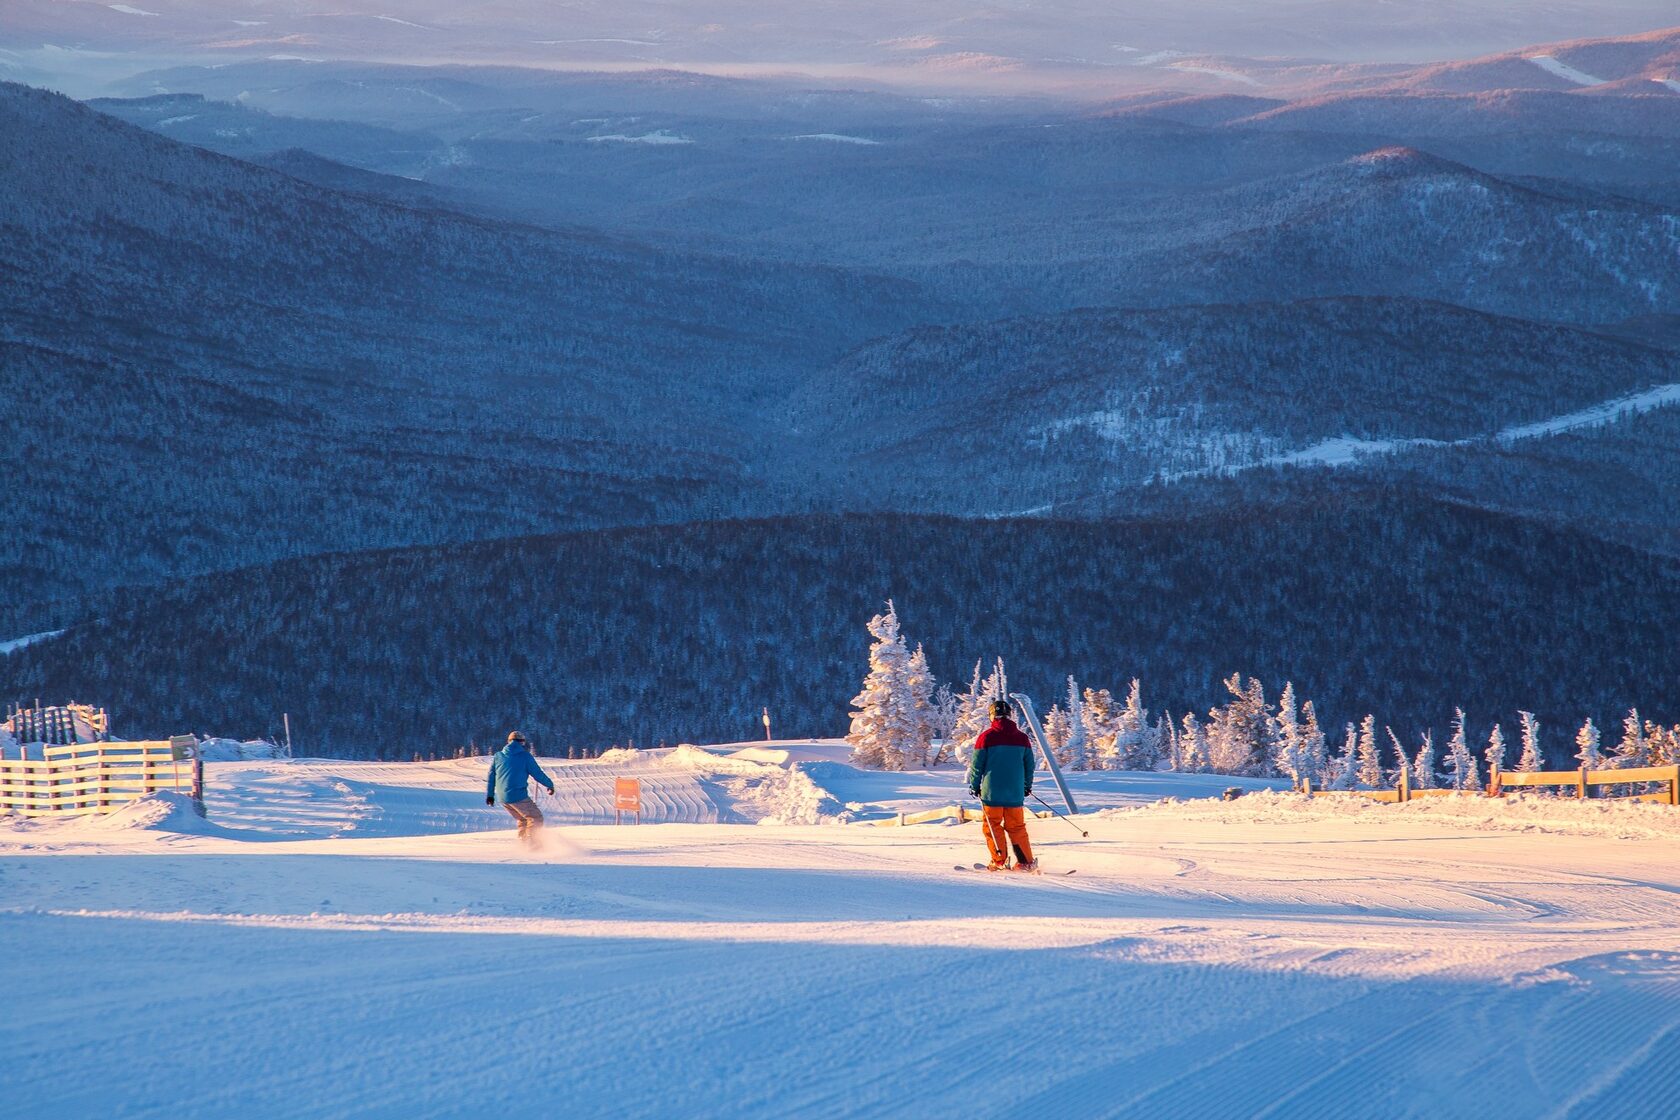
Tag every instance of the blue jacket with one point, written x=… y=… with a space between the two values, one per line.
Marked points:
x=509 y=767
x=1000 y=772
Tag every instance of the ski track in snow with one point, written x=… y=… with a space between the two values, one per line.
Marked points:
x=1671 y=83
x=1560 y=69
x=130 y=11
x=1272 y=956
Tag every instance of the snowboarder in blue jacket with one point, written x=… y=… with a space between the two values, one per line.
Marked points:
x=510 y=768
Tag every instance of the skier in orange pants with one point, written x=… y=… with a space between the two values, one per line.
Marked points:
x=1000 y=774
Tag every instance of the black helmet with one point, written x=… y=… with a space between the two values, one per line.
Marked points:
x=1000 y=709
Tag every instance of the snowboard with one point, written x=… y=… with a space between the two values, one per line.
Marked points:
x=1008 y=870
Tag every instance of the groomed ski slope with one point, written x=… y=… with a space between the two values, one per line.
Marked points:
x=1265 y=957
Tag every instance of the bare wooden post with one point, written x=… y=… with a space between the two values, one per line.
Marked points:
x=1581 y=784
x=1493 y=787
x=1306 y=785
x=1405 y=786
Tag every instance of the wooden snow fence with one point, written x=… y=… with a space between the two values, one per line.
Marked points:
x=1582 y=782
x=959 y=813
x=80 y=779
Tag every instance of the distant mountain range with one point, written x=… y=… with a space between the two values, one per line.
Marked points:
x=322 y=365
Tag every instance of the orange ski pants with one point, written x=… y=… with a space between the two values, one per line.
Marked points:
x=1001 y=823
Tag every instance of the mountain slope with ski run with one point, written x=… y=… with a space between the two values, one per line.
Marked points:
x=1272 y=955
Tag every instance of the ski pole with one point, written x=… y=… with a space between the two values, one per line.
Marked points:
x=1062 y=816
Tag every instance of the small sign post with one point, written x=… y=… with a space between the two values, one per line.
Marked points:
x=767 y=725
x=627 y=798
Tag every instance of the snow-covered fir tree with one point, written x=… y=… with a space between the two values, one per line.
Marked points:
x=1101 y=717
x=888 y=731
x=1291 y=756
x=1460 y=762
x=1402 y=764
x=1075 y=750
x=974 y=709
x=1055 y=726
x=945 y=708
x=1530 y=760
x=920 y=685
x=1237 y=734
x=1495 y=751
x=1135 y=746
x=1370 y=772
x=1344 y=770
x=1193 y=746
x=1586 y=746
x=1634 y=750
x=1423 y=766
x=1315 y=756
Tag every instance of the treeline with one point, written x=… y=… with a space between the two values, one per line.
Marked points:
x=1368 y=602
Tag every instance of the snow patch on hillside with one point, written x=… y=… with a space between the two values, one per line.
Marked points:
x=662 y=136
x=130 y=11
x=12 y=645
x=1228 y=75
x=835 y=137
x=1343 y=451
x=1560 y=69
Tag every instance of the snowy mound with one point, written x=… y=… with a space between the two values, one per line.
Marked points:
x=237 y=750
x=165 y=811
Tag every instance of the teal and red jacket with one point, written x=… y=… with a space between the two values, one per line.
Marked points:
x=1000 y=772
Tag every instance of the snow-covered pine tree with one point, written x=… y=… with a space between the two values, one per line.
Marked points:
x=1495 y=751
x=1288 y=758
x=1055 y=724
x=1238 y=742
x=1663 y=743
x=1345 y=767
x=1586 y=743
x=1193 y=745
x=1135 y=746
x=973 y=714
x=945 y=708
x=1102 y=720
x=1075 y=749
x=1370 y=772
x=1402 y=764
x=1531 y=759
x=919 y=684
x=1315 y=756
x=1460 y=762
x=1635 y=749
x=1423 y=766
x=887 y=732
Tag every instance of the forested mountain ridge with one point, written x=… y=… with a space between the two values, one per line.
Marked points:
x=1101 y=400
x=215 y=364
x=1369 y=602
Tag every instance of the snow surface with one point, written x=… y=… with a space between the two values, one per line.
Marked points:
x=128 y=11
x=1273 y=955
x=1671 y=83
x=1555 y=66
